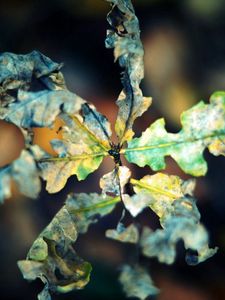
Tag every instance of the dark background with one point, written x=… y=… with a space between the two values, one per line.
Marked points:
x=185 y=62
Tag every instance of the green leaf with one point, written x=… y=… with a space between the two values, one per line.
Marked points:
x=124 y=37
x=53 y=260
x=137 y=282
x=181 y=223
x=203 y=126
x=87 y=208
x=85 y=144
x=158 y=191
x=123 y=234
x=24 y=172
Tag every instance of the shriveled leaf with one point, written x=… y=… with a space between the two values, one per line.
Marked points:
x=114 y=182
x=203 y=126
x=97 y=124
x=17 y=70
x=55 y=81
x=85 y=143
x=136 y=282
x=158 y=191
x=52 y=257
x=40 y=109
x=124 y=234
x=53 y=260
x=124 y=37
x=24 y=172
x=181 y=224
x=20 y=72
x=86 y=208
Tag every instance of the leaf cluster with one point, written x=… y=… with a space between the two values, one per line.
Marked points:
x=86 y=140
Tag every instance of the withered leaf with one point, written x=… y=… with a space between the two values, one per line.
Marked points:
x=85 y=209
x=203 y=126
x=40 y=109
x=136 y=203
x=84 y=145
x=114 y=182
x=136 y=282
x=124 y=234
x=124 y=37
x=20 y=72
x=158 y=191
x=24 y=172
x=17 y=70
x=53 y=259
x=181 y=223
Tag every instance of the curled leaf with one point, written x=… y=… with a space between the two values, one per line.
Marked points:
x=17 y=70
x=97 y=124
x=53 y=260
x=24 y=172
x=124 y=37
x=136 y=282
x=114 y=182
x=40 y=109
x=123 y=234
x=181 y=224
x=203 y=126
x=21 y=71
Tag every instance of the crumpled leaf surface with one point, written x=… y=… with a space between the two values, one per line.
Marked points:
x=24 y=172
x=114 y=182
x=53 y=260
x=124 y=234
x=87 y=208
x=124 y=37
x=85 y=143
x=158 y=191
x=136 y=282
x=203 y=126
x=17 y=70
x=40 y=109
x=181 y=223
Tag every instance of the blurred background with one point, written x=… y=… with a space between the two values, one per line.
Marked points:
x=184 y=45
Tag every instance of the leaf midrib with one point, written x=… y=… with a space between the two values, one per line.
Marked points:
x=153 y=189
x=73 y=158
x=164 y=145
x=102 y=204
